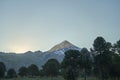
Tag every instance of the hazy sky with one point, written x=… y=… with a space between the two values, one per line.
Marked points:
x=40 y=24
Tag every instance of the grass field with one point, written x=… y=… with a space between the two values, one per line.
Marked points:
x=46 y=78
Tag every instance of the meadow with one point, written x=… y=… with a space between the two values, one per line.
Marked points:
x=47 y=78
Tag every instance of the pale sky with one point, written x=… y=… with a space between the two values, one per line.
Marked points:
x=40 y=24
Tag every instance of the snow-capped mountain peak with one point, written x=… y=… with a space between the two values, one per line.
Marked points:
x=38 y=58
x=64 y=44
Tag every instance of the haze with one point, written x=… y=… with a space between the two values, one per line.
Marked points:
x=40 y=24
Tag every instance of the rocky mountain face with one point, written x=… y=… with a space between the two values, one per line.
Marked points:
x=13 y=60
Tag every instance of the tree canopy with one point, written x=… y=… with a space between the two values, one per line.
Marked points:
x=102 y=57
x=51 y=68
x=23 y=71
x=2 y=69
x=33 y=70
x=70 y=66
x=11 y=73
x=85 y=62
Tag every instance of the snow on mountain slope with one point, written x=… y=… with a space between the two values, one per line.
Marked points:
x=65 y=45
x=57 y=52
x=13 y=60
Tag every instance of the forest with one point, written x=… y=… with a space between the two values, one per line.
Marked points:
x=101 y=62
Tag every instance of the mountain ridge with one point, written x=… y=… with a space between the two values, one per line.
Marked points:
x=63 y=44
x=38 y=58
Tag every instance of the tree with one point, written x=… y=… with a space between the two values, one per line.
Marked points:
x=117 y=47
x=2 y=70
x=70 y=66
x=11 y=73
x=115 y=65
x=41 y=73
x=102 y=56
x=85 y=61
x=23 y=71
x=33 y=70
x=51 y=68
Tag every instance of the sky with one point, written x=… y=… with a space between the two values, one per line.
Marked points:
x=30 y=25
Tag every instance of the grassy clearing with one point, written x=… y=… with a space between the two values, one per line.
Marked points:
x=48 y=78
x=37 y=78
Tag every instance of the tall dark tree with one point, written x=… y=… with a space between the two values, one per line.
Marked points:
x=2 y=70
x=102 y=56
x=70 y=66
x=11 y=73
x=117 y=47
x=33 y=70
x=23 y=71
x=115 y=65
x=85 y=61
x=41 y=73
x=51 y=68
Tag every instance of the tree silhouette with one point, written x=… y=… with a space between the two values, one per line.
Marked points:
x=41 y=73
x=2 y=70
x=51 y=68
x=85 y=62
x=11 y=73
x=33 y=70
x=23 y=71
x=70 y=66
x=117 y=47
x=102 y=57
x=115 y=65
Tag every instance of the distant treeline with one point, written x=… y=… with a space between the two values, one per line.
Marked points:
x=102 y=62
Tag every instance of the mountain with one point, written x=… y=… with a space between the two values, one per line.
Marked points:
x=62 y=47
x=13 y=60
x=57 y=51
x=64 y=44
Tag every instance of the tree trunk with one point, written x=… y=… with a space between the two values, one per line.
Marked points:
x=85 y=74
x=100 y=73
x=51 y=77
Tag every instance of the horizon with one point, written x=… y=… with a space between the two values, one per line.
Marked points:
x=41 y=50
x=28 y=25
x=48 y=49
